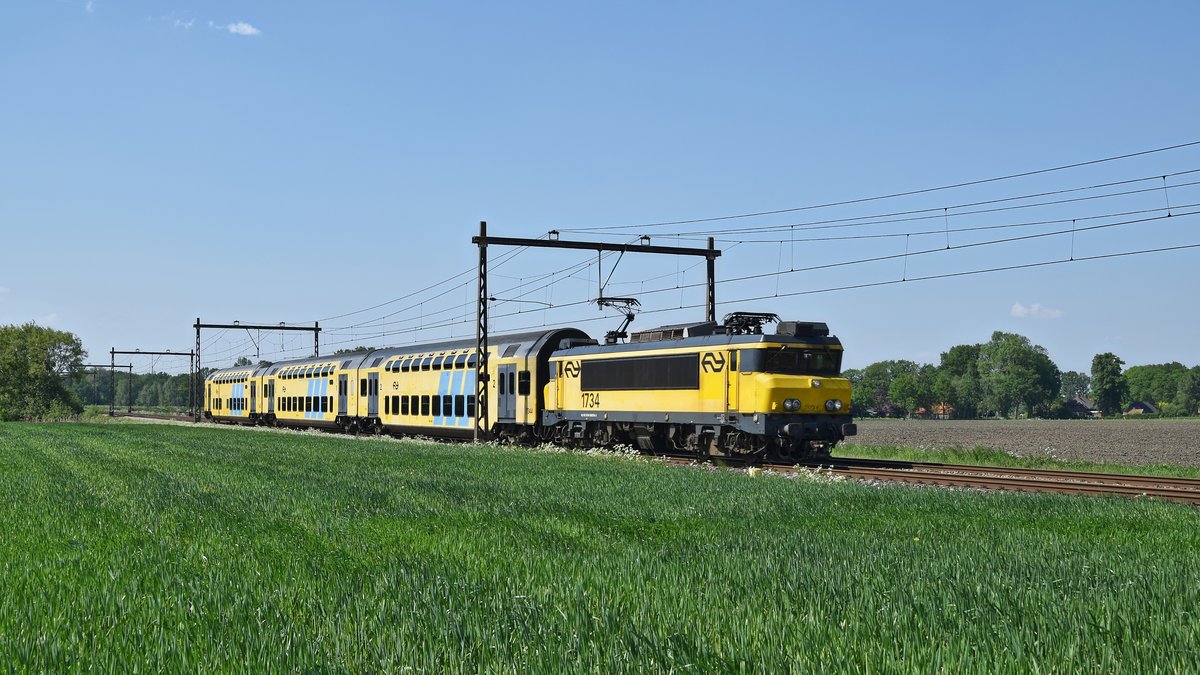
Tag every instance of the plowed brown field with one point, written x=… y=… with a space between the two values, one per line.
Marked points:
x=1122 y=441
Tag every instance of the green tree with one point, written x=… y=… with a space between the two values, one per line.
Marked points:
x=34 y=362
x=1108 y=383
x=352 y=350
x=1156 y=383
x=872 y=384
x=1075 y=383
x=1187 y=393
x=914 y=388
x=904 y=391
x=1014 y=373
x=957 y=380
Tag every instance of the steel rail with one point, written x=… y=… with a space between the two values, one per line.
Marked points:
x=1101 y=477
x=1182 y=490
x=996 y=480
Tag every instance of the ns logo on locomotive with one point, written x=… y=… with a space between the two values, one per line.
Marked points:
x=706 y=388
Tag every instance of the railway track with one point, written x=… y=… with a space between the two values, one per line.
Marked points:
x=155 y=416
x=1183 y=490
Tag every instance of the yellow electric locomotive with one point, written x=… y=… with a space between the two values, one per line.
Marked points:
x=714 y=389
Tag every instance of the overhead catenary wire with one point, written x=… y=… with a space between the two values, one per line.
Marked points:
x=938 y=212
x=886 y=282
x=503 y=258
x=416 y=305
x=939 y=249
x=908 y=193
x=873 y=259
x=846 y=263
x=379 y=321
x=943 y=210
x=945 y=231
x=428 y=322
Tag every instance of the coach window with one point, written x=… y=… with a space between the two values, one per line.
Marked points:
x=473 y=361
x=471 y=405
x=437 y=363
x=447 y=405
x=425 y=362
x=461 y=360
x=387 y=405
x=523 y=383
x=414 y=405
x=436 y=404
x=424 y=405
x=460 y=405
x=403 y=405
x=362 y=387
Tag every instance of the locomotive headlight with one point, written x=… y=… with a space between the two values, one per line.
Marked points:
x=816 y=384
x=791 y=404
x=833 y=405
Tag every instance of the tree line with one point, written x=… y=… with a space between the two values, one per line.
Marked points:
x=41 y=376
x=1009 y=376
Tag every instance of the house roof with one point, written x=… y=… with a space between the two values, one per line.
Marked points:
x=1083 y=401
x=1142 y=406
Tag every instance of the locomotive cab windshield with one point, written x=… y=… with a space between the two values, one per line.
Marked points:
x=792 y=361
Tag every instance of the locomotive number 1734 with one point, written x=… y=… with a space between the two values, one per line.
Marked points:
x=590 y=400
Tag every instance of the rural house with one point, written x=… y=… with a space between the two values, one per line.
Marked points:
x=1140 y=408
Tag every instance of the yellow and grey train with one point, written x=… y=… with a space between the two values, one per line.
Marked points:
x=704 y=388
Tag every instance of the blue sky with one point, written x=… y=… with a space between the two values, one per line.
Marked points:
x=280 y=161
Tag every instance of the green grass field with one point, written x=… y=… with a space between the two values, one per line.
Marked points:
x=198 y=549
